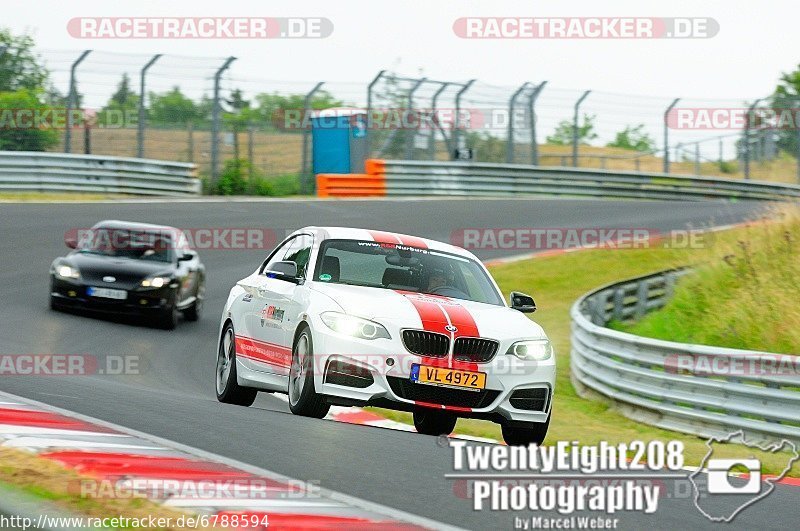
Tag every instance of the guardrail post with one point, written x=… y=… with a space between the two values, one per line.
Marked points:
x=215 y=111
x=72 y=101
x=510 y=135
x=435 y=120
x=532 y=108
x=642 y=290
x=666 y=133
x=306 y=172
x=369 y=110
x=575 y=128
x=619 y=304
x=410 y=134
x=598 y=306
x=669 y=286
x=142 y=117
x=457 y=127
x=747 y=138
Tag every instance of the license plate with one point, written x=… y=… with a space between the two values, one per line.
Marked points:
x=444 y=377
x=107 y=293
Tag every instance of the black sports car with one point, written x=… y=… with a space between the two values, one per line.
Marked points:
x=122 y=267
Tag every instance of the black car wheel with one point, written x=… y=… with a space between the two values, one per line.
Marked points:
x=228 y=389
x=303 y=398
x=193 y=312
x=168 y=317
x=434 y=422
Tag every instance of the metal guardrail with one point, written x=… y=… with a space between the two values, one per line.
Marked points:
x=668 y=384
x=29 y=171
x=467 y=178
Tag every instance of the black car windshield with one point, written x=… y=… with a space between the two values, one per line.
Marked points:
x=400 y=267
x=137 y=244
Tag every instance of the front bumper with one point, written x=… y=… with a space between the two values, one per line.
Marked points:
x=69 y=294
x=383 y=368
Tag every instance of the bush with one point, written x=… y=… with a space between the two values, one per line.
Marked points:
x=24 y=136
x=728 y=167
x=238 y=177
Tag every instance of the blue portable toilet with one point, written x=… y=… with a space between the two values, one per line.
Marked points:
x=339 y=141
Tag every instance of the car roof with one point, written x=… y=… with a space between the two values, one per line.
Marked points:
x=134 y=225
x=351 y=233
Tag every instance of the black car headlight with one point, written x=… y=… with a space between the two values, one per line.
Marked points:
x=532 y=350
x=66 y=272
x=158 y=281
x=354 y=326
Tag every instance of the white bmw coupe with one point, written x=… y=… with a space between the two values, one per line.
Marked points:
x=360 y=317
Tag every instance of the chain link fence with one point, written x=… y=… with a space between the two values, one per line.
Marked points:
x=207 y=111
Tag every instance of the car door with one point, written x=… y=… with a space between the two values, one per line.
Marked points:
x=280 y=305
x=256 y=342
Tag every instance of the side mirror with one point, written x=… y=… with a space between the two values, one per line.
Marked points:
x=186 y=256
x=284 y=270
x=523 y=303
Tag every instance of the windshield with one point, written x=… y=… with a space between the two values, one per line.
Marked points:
x=138 y=244
x=400 y=267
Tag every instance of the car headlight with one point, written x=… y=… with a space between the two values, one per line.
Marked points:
x=532 y=350
x=155 y=282
x=67 y=272
x=354 y=326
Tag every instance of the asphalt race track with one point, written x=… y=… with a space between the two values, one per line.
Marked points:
x=173 y=397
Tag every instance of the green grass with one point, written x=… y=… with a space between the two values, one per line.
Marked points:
x=556 y=282
x=746 y=298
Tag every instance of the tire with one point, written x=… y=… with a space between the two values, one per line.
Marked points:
x=433 y=421
x=168 y=317
x=193 y=312
x=303 y=398
x=534 y=433
x=228 y=389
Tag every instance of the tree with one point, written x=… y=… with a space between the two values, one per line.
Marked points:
x=633 y=138
x=272 y=108
x=22 y=131
x=172 y=108
x=121 y=106
x=787 y=96
x=26 y=123
x=19 y=65
x=562 y=136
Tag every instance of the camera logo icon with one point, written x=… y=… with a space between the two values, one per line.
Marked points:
x=719 y=476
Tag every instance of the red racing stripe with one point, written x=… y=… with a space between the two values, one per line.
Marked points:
x=461 y=319
x=268 y=353
x=383 y=237
x=442 y=406
x=432 y=316
x=412 y=241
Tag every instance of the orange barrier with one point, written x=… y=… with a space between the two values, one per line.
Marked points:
x=370 y=184
x=350 y=185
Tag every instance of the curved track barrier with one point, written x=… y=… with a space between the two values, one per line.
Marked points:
x=27 y=171
x=697 y=389
x=417 y=178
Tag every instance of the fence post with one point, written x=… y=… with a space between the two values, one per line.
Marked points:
x=697 y=158
x=250 y=149
x=412 y=133
x=747 y=138
x=72 y=101
x=369 y=110
x=435 y=120
x=141 y=124
x=457 y=128
x=532 y=106
x=190 y=141
x=306 y=179
x=512 y=101
x=798 y=152
x=666 y=133
x=575 y=128
x=215 y=111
